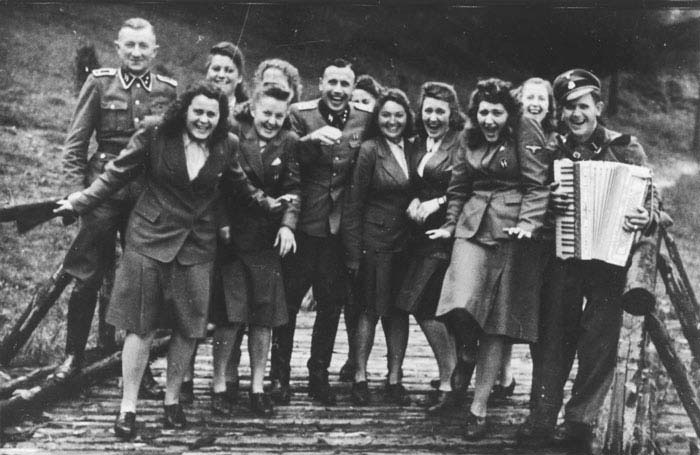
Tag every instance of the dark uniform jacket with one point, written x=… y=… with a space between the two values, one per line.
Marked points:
x=502 y=186
x=275 y=171
x=325 y=169
x=174 y=217
x=112 y=104
x=608 y=145
x=374 y=217
x=433 y=184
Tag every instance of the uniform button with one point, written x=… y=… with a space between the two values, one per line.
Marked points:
x=102 y=156
x=137 y=102
x=336 y=158
x=111 y=106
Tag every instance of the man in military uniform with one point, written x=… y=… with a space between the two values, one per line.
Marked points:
x=567 y=327
x=113 y=103
x=331 y=130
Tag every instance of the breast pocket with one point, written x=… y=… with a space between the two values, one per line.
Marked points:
x=147 y=212
x=115 y=116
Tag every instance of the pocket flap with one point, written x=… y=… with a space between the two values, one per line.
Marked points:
x=148 y=212
x=114 y=105
x=510 y=199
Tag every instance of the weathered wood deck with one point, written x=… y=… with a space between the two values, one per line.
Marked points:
x=83 y=423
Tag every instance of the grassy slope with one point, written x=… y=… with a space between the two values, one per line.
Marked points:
x=37 y=98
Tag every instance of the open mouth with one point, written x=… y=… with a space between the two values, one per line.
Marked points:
x=535 y=110
x=337 y=99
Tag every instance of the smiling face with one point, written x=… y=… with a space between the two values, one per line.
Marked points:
x=392 y=120
x=364 y=98
x=224 y=73
x=580 y=115
x=435 y=114
x=336 y=87
x=136 y=48
x=268 y=116
x=202 y=117
x=535 y=101
x=491 y=118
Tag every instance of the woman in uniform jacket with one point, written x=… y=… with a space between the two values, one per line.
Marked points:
x=439 y=123
x=374 y=231
x=166 y=268
x=497 y=200
x=251 y=269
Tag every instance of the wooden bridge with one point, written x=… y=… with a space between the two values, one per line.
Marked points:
x=82 y=423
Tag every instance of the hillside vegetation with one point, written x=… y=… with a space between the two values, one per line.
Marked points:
x=401 y=47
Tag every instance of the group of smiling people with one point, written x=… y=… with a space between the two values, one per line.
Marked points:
x=385 y=212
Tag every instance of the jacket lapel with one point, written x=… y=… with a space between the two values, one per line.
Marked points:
x=176 y=162
x=212 y=166
x=389 y=162
x=250 y=153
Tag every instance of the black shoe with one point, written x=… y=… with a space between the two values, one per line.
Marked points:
x=575 y=435
x=69 y=368
x=220 y=403
x=174 y=416
x=435 y=383
x=531 y=433
x=232 y=391
x=360 y=393
x=187 y=392
x=444 y=401
x=347 y=372
x=149 y=388
x=321 y=390
x=397 y=394
x=260 y=405
x=462 y=376
x=280 y=392
x=500 y=393
x=125 y=425
x=475 y=428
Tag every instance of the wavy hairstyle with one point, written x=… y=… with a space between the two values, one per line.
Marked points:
x=549 y=123
x=496 y=91
x=443 y=92
x=290 y=72
x=369 y=84
x=176 y=115
x=398 y=96
x=233 y=52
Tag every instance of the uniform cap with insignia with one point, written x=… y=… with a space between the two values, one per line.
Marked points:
x=575 y=83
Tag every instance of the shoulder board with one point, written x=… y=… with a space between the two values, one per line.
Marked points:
x=623 y=140
x=362 y=107
x=99 y=72
x=306 y=105
x=167 y=80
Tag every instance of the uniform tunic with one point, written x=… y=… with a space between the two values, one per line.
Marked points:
x=375 y=225
x=428 y=259
x=251 y=270
x=494 y=187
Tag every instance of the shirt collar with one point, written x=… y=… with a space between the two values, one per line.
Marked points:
x=594 y=143
x=187 y=142
x=335 y=119
x=127 y=78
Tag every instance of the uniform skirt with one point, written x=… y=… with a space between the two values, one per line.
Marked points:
x=420 y=291
x=252 y=290
x=498 y=285
x=378 y=281
x=149 y=294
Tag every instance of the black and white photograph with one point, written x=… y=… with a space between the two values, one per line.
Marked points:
x=350 y=227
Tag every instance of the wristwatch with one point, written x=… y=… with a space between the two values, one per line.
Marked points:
x=442 y=199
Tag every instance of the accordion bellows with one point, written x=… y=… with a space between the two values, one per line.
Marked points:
x=602 y=192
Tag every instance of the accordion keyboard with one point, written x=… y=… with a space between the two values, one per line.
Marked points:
x=566 y=222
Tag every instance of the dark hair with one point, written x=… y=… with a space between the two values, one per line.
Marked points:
x=443 y=92
x=175 y=116
x=290 y=71
x=549 y=123
x=233 y=52
x=273 y=92
x=370 y=85
x=398 y=96
x=339 y=63
x=494 y=91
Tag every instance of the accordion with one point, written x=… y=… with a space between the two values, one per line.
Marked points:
x=603 y=192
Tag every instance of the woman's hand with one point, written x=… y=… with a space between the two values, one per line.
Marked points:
x=560 y=199
x=225 y=234
x=412 y=210
x=286 y=241
x=636 y=219
x=65 y=206
x=326 y=135
x=427 y=208
x=518 y=233
x=434 y=234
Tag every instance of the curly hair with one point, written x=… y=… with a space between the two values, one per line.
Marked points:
x=443 y=92
x=290 y=72
x=175 y=117
x=496 y=91
x=369 y=84
x=398 y=96
x=233 y=52
x=549 y=123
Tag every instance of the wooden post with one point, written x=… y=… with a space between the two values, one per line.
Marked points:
x=42 y=301
x=675 y=368
x=683 y=306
